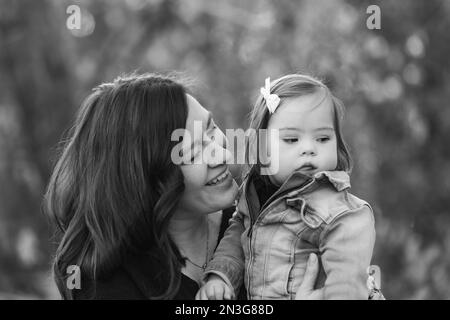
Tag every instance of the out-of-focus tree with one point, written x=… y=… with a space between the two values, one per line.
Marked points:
x=395 y=83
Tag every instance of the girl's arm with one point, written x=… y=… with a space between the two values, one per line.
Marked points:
x=228 y=259
x=346 y=248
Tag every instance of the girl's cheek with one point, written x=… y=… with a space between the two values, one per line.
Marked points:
x=332 y=160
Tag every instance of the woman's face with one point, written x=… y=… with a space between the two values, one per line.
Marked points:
x=209 y=186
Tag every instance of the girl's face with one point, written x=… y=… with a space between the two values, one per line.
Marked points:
x=306 y=140
x=209 y=186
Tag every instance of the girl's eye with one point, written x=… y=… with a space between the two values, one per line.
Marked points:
x=290 y=140
x=323 y=139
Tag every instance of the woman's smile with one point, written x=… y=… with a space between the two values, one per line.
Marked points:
x=223 y=180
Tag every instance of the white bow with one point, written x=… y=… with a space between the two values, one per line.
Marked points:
x=272 y=100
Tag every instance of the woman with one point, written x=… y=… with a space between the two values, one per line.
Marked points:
x=136 y=224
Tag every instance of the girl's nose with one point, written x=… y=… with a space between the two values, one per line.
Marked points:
x=307 y=148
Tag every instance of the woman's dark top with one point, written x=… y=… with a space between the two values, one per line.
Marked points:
x=137 y=278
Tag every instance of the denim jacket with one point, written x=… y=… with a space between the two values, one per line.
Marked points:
x=267 y=248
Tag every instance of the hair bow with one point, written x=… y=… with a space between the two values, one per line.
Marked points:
x=272 y=100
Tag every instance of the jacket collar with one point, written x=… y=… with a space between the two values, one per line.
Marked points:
x=340 y=180
x=298 y=181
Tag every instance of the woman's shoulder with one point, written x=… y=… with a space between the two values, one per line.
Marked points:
x=139 y=276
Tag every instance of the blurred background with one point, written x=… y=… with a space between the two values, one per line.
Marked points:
x=395 y=83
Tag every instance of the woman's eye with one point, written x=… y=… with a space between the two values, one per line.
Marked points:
x=190 y=161
x=290 y=140
x=323 y=139
x=211 y=132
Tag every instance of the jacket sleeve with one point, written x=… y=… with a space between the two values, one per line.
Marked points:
x=346 y=247
x=228 y=259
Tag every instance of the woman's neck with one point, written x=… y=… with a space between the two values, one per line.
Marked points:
x=187 y=230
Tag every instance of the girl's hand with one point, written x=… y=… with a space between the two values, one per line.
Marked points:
x=214 y=289
x=306 y=290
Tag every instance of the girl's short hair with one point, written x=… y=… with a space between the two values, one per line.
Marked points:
x=291 y=86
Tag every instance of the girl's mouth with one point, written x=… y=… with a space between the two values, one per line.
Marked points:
x=307 y=167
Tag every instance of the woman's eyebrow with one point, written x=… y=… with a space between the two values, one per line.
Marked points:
x=208 y=124
x=209 y=121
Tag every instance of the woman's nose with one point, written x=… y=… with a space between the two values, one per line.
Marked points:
x=217 y=152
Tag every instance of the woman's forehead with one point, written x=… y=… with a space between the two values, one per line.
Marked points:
x=196 y=112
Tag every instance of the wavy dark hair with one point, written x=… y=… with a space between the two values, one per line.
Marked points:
x=114 y=187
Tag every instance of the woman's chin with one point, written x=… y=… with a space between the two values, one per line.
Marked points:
x=225 y=194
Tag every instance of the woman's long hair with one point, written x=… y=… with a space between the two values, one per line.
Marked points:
x=114 y=187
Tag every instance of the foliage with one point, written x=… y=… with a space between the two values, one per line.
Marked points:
x=395 y=83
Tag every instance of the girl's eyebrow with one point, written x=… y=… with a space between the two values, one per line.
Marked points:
x=316 y=129
x=290 y=128
x=324 y=129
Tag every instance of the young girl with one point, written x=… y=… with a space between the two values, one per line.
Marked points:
x=297 y=205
